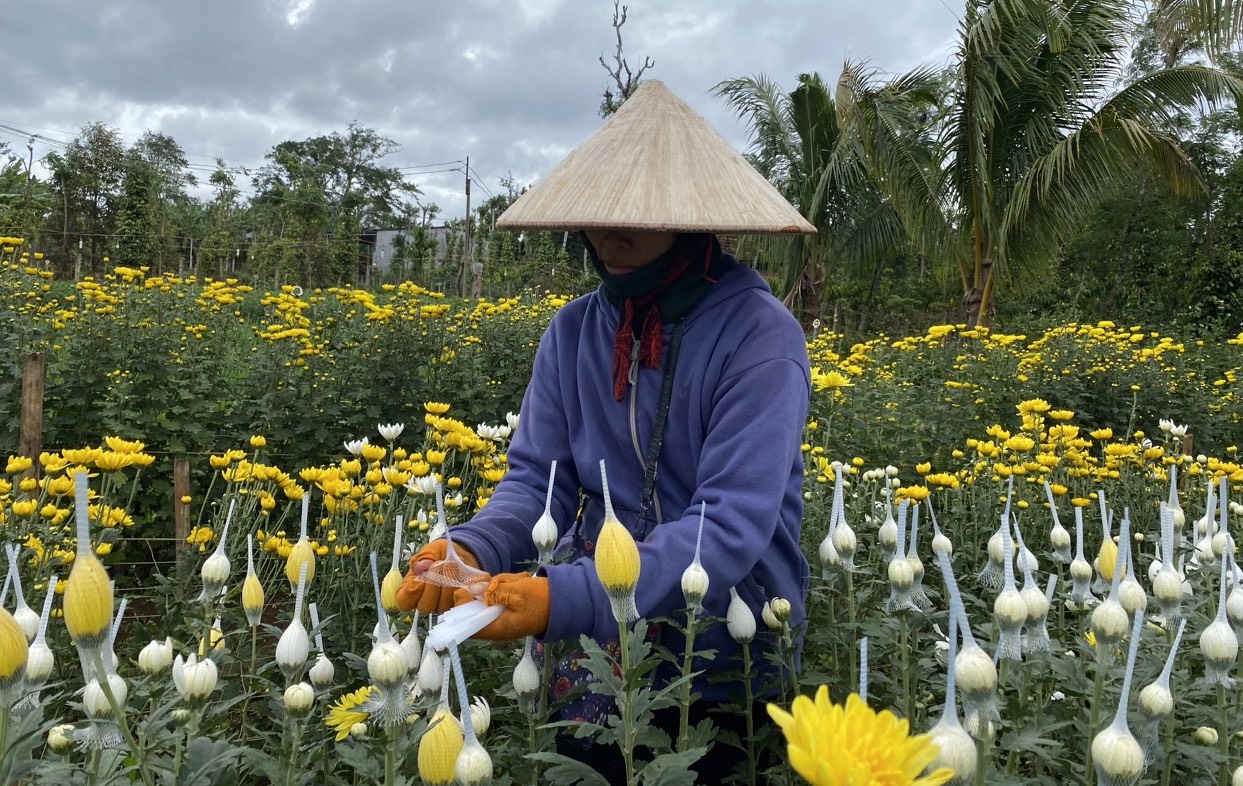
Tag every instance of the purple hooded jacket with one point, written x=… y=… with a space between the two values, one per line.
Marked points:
x=732 y=440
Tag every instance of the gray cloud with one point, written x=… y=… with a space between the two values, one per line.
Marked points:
x=514 y=84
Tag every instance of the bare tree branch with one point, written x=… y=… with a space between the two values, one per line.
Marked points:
x=625 y=80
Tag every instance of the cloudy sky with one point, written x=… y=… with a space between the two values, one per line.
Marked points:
x=514 y=84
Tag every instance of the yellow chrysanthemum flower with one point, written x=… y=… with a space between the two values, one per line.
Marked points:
x=1033 y=406
x=829 y=380
x=1107 y=560
x=112 y=461
x=439 y=748
x=88 y=599
x=831 y=745
x=343 y=714
x=301 y=552
x=617 y=559
x=13 y=648
x=124 y=446
x=436 y=408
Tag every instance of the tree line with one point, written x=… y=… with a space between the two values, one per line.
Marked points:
x=1075 y=158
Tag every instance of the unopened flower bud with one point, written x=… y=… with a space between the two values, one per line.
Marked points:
x=156 y=656
x=975 y=671
x=694 y=584
x=1132 y=596
x=1156 y=700
x=955 y=750
x=780 y=607
x=1009 y=608
x=941 y=544
x=214 y=573
x=1219 y=643
x=252 y=599
x=292 y=650
x=1206 y=735
x=359 y=731
x=473 y=766
x=302 y=552
x=901 y=574
x=298 y=698
x=770 y=619
x=617 y=559
x=845 y=542
x=526 y=675
x=387 y=664
x=1167 y=586
x=60 y=738
x=739 y=619
x=439 y=748
x=1109 y=622
x=28 y=620
x=1059 y=538
x=1118 y=755
x=95 y=701
x=544 y=534
x=39 y=662
x=88 y=599
x=431 y=671
x=388 y=590
x=322 y=671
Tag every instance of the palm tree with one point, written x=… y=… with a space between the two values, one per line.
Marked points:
x=1037 y=131
x=855 y=162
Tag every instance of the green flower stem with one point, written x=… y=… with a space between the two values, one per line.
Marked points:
x=747 y=711
x=983 y=748
x=295 y=742
x=4 y=727
x=92 y=767
x=787 y=646
x=1168 y=771
x=626 y=699
x=390 y=755
x=1094 y=721
x=684 y=724
x=1223 y=735
x=851 y=615
x=904 y=648
x=247 y=680
x=532 y=745
x=1012 y=759
x=118 y=712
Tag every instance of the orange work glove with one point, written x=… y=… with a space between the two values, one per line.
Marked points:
x=527 y=604
x=430 y=598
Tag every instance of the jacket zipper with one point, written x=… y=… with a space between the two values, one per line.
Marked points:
x=634 y=429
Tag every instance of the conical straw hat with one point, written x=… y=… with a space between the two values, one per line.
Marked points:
x=655 y=165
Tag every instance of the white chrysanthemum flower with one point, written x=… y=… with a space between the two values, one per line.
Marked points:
x=194 y=679
x=390 y=432
x=156 y=656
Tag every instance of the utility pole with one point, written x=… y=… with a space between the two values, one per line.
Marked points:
x=464 y=278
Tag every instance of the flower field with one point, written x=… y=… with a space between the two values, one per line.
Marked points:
x=1022 y=544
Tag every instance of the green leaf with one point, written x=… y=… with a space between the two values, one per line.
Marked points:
x=672 y=769
x=566 y=771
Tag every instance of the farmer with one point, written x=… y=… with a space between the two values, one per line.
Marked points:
x=683 y=373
